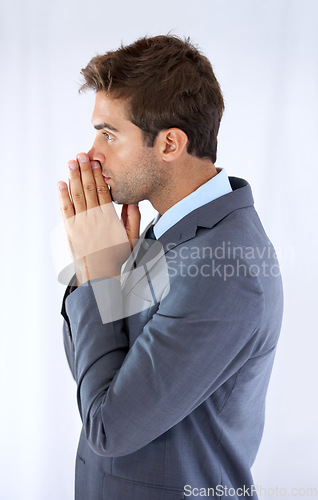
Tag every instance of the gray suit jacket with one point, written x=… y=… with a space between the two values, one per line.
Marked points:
x=172 y=397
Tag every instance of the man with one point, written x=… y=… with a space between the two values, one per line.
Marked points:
x=171 y=382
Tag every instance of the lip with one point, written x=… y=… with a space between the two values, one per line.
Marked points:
x=106 y=179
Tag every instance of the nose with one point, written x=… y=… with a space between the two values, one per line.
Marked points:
x=94 y=154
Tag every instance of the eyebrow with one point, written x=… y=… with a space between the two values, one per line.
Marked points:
x=100 y=126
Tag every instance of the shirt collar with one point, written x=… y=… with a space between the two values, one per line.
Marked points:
x=218 y=186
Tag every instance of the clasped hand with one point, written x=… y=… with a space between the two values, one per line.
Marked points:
x=99 y=241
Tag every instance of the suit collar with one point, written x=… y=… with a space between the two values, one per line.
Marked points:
x=210 y=214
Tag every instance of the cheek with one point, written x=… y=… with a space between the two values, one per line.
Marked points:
x=126 y=159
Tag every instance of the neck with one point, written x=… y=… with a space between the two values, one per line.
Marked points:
x=182 y=184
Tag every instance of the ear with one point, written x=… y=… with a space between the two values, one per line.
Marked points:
x=172 y=144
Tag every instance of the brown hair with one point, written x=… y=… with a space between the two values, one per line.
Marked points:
x=168 y=83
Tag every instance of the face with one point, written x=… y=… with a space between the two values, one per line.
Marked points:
x=132 y=170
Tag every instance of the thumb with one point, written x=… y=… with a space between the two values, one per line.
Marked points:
x=131 y=219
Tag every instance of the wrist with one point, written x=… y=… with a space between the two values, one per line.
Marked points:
x=89 y=268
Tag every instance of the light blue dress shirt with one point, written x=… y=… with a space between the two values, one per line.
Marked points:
x=218 y=186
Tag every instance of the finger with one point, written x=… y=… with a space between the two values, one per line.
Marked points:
x=124 y=214
x=102 y=188
x=76 y=187
x=88 y=181
x=66 y=206
x=131 y=219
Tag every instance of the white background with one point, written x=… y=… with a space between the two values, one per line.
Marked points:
x=264 y=54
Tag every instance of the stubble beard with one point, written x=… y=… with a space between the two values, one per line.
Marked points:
x=143 y=180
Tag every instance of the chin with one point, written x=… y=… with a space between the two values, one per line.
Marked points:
x=122 y=200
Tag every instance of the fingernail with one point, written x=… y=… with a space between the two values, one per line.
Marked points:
x=72 y=165
x=83 y=158
x=62 y=186
x=95 y=164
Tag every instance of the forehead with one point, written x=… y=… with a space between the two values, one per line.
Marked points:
x=110 y=110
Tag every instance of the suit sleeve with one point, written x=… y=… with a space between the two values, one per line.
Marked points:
x=66 y=328
x=202 y=333
x=69 y=347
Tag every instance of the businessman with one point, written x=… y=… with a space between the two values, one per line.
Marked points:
x=171 y=349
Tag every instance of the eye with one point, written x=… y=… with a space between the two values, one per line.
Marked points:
x=108 y=136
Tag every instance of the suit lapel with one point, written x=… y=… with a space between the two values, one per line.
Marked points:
x=206 y=216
